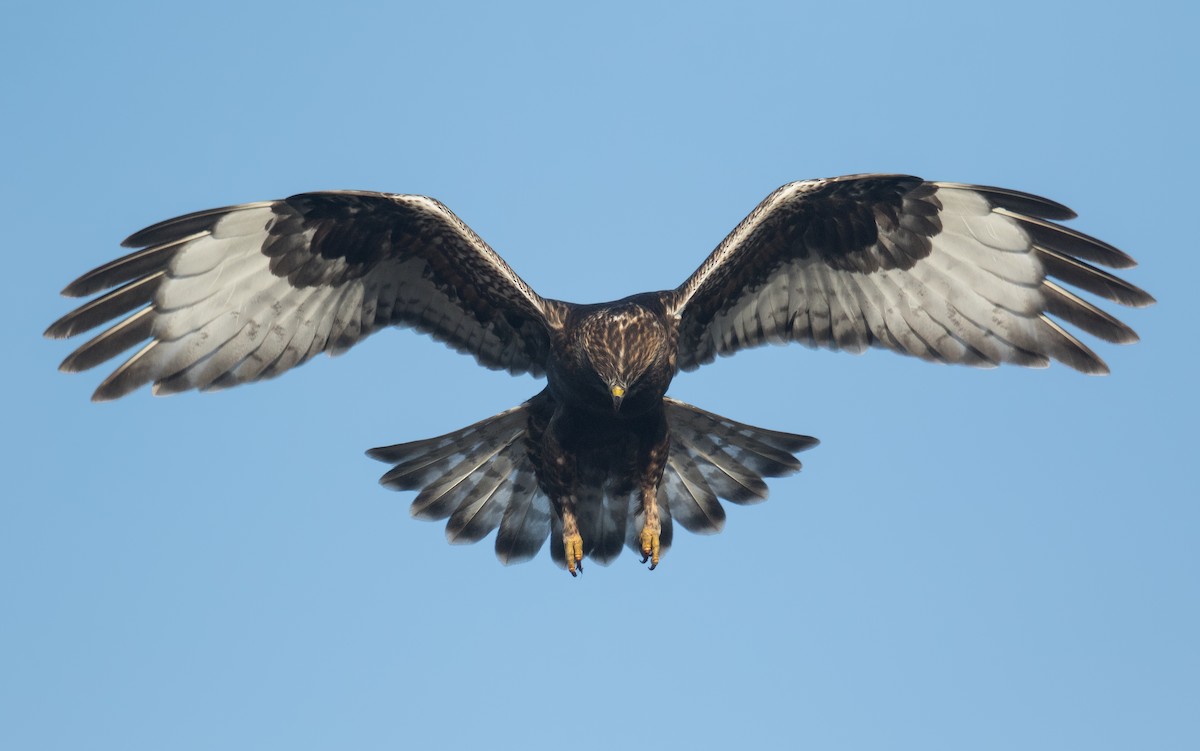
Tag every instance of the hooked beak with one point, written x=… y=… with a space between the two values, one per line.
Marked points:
x=618 y=394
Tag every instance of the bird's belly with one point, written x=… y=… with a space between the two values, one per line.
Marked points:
x=608 y=449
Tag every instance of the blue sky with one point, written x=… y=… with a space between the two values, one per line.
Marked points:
x=971 y=559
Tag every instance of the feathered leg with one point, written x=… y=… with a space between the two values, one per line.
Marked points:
x=653 y=460
x=558 y=478
x=572 y=540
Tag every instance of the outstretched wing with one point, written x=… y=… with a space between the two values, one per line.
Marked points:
x=947 y=272
x=241 y=293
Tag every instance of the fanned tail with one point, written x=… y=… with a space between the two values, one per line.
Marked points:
x=713 y=457
x=481 y=478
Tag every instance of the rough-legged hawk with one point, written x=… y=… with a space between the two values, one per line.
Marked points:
x=601 y=457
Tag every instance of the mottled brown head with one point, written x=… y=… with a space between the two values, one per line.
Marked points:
x=631 y=349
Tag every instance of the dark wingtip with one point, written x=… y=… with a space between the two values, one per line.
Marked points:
x=1088 y=363
x=69 y=365
x=376 y=453
x=1016 y=200
x=81 y=287
x=794 y=442
x=106 y=395
x=60 y=329
x=103 y=395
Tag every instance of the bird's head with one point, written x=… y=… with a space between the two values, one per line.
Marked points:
x=622 y=345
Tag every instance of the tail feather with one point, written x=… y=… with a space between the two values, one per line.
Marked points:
x=419 y=463
x=526 y=522
x=728 y=478
x=477 y=475
x=476 y=518
x=601 y=525
x=689 y=496
x=483 y=477
x=731 y=459
x=602 y=515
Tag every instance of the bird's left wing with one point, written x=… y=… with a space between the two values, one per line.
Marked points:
x=947 y=272
x=237 y=294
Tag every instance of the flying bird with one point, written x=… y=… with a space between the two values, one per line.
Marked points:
x=601 y=458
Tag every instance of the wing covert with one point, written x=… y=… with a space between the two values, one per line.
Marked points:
x=241 y=293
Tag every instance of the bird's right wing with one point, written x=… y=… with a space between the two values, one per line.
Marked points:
x=237 y=294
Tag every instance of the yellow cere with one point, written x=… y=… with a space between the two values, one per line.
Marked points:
x=618 y=392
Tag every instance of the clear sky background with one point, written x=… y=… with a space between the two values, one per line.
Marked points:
x=970 y=560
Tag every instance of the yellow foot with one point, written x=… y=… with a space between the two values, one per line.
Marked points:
x=573 y=546
x=649 y=540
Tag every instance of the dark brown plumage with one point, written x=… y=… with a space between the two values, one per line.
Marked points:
x=601 y=457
